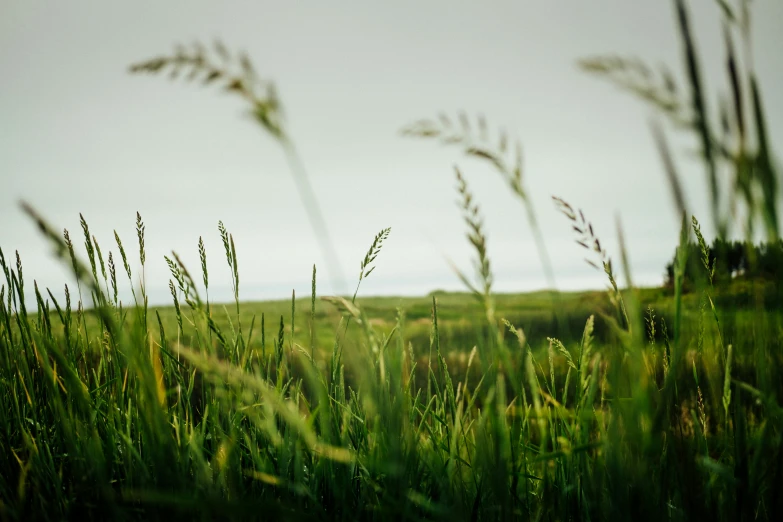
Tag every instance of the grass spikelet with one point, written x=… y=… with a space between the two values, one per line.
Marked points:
x=238 y=76
x=235 y=75
x=191 y=292
x=477 y=238
x=100 y=258
x=71 y=253
x=556 y=343
x=235 y=270
x=88 y=245
x=123 y=256
x=140 y=235
x=202 y=255
x=658 y=88
x=177 y=310
x=365 y=269
x=650 y=320
x=587 y=239
x=176 y=273
x=508 y=163
x=585 y=351
x=709 y=266
x=372 y=253
x=113 y=277
x=226 y=243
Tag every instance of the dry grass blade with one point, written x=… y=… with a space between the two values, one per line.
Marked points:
x=476 y=236
x=266 y=108
x=506 y=162
x=765 y=169
x=701 y=119
x=669 y=167
x=495 y=151
x=587 y=239
x=239 y=78
x=373 y=252
x=635 y=76
x=345 y=306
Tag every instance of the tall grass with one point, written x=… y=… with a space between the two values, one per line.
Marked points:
x=112 y=412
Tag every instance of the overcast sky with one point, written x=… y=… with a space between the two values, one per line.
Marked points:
x=80 y=134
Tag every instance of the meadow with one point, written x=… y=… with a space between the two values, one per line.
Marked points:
x=619 y=404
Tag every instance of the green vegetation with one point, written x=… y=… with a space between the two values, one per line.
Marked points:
x=732 y=260
x=629 y=404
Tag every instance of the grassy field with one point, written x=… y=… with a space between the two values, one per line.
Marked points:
x=623 y=404
x=453 y=404
x=461 y=318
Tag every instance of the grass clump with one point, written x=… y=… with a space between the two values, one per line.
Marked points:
x=109 y=416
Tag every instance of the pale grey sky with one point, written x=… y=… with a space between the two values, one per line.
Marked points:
x=79 y=134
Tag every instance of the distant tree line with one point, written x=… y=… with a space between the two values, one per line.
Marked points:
x=732 y=260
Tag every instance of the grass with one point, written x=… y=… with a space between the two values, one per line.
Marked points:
x=642 y=404
x=136 y=412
